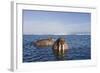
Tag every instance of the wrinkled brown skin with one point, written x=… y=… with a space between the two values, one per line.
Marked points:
x=60 y=47
x=44 y=42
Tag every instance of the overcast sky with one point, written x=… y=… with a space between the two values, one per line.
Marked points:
x=46 y=22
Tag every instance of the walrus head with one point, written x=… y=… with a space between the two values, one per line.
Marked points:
x=61 y=40
x=60 y=48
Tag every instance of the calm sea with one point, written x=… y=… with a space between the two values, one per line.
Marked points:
x=79 y=48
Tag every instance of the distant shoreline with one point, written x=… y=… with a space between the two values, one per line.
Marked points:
x=55 y=35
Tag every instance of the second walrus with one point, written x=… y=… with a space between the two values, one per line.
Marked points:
x=44 y=42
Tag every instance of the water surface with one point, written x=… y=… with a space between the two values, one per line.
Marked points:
x=79 y=48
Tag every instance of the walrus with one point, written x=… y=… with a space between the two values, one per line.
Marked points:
x=44 y=42
x=60 y=47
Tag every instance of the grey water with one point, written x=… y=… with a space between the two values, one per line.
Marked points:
x=79 y=48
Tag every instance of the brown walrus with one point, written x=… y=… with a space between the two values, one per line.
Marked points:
x=60 y=47
x=44 y=42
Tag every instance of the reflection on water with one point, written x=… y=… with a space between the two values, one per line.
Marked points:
x=79 y=48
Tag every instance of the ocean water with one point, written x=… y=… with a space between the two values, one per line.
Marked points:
x=79 y=48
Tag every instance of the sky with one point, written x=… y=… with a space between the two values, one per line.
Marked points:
x=56 y=23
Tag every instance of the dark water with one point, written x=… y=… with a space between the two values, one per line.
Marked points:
x=79 y=48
